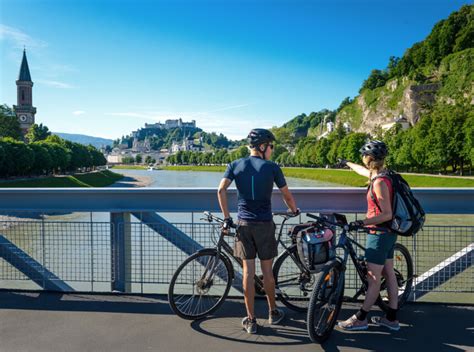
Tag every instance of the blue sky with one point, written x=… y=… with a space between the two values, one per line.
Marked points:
x=105 y=68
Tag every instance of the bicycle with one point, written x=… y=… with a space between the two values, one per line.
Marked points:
x=203 y=281
x=327 y=295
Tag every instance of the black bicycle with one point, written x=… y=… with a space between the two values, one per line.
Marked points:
x=203 y=281
x=327 y=295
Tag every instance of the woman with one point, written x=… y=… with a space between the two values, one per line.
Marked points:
x=380 y=245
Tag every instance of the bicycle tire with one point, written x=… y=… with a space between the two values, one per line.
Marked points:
x=401 y=279
x=188 y=309
x=288 y=290
x=327 y=279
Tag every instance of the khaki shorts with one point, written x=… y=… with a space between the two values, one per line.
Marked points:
x=254 y=238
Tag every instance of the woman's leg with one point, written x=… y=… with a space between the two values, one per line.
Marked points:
x=359 y=320
x=374 y=274
x=392 y=284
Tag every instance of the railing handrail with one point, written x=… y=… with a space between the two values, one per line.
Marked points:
x=324 y=199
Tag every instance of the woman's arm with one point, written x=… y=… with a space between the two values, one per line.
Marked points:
x=382 y=192
x=361 y=170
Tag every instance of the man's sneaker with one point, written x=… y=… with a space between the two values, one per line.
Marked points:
x=383 y=321
x=276 y=316
x=250 y=325
x=353 y=324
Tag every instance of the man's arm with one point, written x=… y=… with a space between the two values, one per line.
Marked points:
x=361 y=170
x=288 y=199
x=222 y=196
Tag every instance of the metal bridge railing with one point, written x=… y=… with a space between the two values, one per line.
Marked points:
x=80 y=256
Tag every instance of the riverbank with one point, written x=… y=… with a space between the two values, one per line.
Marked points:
x=92 y=179
x=346 y=177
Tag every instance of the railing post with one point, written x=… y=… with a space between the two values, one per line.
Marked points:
x=121 y=247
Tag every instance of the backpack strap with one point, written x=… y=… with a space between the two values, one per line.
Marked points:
x=371 y=187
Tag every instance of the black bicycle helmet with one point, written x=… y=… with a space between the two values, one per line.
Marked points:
x=259 y=136
x=376 y=149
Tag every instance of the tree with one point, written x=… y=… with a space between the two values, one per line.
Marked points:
x=377 y=78
x=43 y=162
x=148 y=160
x=344 y=103
x=37 y=133
x=138 y=159
x=19 y=157
x=9 y=124
x=468 y=150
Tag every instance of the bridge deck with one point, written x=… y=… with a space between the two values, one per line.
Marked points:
x=40 y=321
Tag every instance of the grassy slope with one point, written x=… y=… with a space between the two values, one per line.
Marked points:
x=346 y=177
x=93 y=179
x=130 y=167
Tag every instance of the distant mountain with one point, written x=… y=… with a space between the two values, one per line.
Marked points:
x=86 y=140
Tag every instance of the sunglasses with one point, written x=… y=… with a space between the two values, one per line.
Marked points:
x=271 y=146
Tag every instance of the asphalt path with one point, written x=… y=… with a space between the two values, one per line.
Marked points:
x=41 y=321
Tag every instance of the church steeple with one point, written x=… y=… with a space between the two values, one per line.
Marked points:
x=24 y=110
x=24 y=69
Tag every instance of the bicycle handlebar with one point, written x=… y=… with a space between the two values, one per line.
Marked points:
x=346 y=226
x=286 y=214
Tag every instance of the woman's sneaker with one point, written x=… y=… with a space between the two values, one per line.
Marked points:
x=353 y=324
x=383 y=321
x=250 y=325
x=275 y=316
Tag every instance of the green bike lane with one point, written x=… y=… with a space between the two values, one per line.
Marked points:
x=42 y=321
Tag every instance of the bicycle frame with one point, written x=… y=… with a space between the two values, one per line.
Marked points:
x=346 y=243
x=223 y=246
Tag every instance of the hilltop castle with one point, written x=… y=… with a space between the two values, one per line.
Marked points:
x=24 y=110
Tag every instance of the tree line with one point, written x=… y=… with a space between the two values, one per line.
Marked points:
x=41 y=153
x=442 y=141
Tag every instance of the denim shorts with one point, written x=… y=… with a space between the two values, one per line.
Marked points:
x=380 y=247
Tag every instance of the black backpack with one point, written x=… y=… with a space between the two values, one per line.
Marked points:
x=408 y=215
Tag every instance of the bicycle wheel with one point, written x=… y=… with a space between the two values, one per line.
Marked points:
x=325 y=302
x=200 y=284
x=293 y=287
x=403 y=266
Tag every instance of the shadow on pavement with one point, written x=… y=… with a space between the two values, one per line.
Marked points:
x=76 y=302
x=425 y=327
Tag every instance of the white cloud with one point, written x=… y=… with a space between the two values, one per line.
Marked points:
x=55 y=84
x=78 y=112
x=19 y=38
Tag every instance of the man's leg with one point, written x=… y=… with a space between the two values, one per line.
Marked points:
x=249 y=286
x=269 y=282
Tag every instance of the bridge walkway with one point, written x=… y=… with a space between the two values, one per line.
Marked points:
x=44 y=321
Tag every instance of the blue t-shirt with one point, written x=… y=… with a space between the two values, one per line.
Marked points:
x=254 y=178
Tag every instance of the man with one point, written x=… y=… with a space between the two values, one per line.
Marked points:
x=254 y=177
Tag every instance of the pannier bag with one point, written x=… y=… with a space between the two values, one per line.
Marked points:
x=315 y=245
x=408 y=215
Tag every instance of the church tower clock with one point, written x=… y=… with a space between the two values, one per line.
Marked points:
x=24 y=110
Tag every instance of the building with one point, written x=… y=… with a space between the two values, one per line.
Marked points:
x=186 y=145
x=169 y=124
x=141 y=146
x=24 y=110
x=400 y=120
